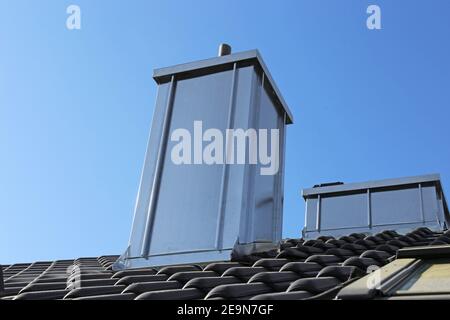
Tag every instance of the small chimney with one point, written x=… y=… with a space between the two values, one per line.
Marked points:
x=224 y=50
x=402 y=204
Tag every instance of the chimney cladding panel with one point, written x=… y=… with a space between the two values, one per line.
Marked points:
x=178 y=206
x=192 y=213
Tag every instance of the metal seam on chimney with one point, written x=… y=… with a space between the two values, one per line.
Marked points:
x=158 y=173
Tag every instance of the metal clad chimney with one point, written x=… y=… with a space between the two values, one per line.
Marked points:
x=201 y=212
x=400 y=204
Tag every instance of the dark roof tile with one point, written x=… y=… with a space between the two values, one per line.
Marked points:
x=42 y=295
x=93 y=291
x=221 y=267
x=283 y=296
x=362 y=263
x=173 y=294
x=380 y=256
x=271 y=264
x=142 y=287
x=243 y=273
x=324 y=260
x=142 y=278
x=314 y=285
x=44 y=287
x=275 y=277
x=184 y=277
x=304 y=269
x=343 y=273
x=309 y=250
x=170 y=270
x=134 y=272
x=206 y=284
x=341 y=253
x=293 y=254
x=118 y=296
x=239 y=291
x=91 y=283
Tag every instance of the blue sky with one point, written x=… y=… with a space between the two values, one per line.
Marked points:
x=76 y=106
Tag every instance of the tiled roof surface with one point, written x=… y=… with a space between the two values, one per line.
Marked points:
x=312 y=269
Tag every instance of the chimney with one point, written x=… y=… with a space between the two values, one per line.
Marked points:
x=370 y=207
x=195 y=205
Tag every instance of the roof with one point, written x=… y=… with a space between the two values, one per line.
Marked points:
x=192 y=69
x=299 y=269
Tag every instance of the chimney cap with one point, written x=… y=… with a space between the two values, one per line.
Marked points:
x=162 y=75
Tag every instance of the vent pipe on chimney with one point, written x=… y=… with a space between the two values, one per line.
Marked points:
x=224 y=50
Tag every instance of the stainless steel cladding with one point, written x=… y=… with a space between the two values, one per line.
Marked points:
x=192 y=209
x=398 y=204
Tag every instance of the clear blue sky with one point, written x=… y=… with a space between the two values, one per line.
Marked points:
x=76 y=106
